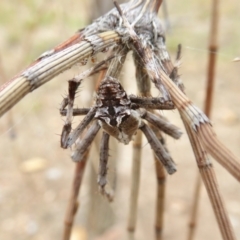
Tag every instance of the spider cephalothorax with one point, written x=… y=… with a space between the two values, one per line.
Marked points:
x=114 y=111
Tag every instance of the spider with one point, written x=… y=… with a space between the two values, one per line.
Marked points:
x=120 y=116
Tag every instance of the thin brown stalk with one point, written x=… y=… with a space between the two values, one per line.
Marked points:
x=210 y=182
x=73 y=202
x=213 y=48
x=161 y=180
x=159 y=218
x=135 y=179
x=195 y=206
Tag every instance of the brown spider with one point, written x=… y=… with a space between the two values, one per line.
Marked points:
x=120 y=116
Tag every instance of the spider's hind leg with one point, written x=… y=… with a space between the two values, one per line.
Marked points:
x=158 y=149
x=162 y=124
x=102 y=173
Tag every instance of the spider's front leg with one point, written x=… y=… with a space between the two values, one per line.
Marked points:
x=68 y=102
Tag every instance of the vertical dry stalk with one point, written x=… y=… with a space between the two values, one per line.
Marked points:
x=161 y=179
x=210 y=182
x=135 y=180
x=213 y=48
x=194 y=210
x=73 y=203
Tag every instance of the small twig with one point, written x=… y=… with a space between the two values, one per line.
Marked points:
x=161 y=185
x=73 y=203
x=135 y=181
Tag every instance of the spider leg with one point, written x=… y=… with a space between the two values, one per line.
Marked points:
x=159 y=150
x=83 y=144
x=162 y=123
x=102 y=172
x=76 y=111
x=152 y=102
x=69 y=101
x=80 y=128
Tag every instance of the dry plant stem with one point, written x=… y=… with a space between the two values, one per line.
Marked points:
x=195 y=117
x=135 y=181
x=73 y=203
x=161 y=184
x=213 y=48
x=195 y=206
x=210 y=182
x=218 y=151
x=161 y=177
x=50 y=66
